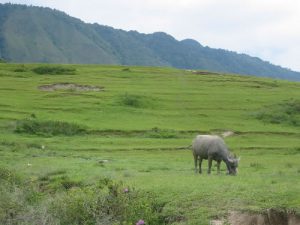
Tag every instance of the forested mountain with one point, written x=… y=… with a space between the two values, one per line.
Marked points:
x=36 y=34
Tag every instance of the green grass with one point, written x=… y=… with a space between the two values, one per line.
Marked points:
x=287 y=112
x=136 y=130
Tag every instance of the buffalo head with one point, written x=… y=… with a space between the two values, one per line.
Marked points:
x=233 y=165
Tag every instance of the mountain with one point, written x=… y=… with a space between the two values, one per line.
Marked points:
x=37 y=34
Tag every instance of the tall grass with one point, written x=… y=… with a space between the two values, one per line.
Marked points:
x=48 y=128
x=106 y=202
x=54 y=70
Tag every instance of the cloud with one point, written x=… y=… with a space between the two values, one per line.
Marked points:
x=269 y=29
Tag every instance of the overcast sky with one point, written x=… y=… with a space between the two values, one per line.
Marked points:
x=269 y=29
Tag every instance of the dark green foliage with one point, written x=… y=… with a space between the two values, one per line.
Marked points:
x=91 y=205
x=126 y=69
x=284 y=113
x=48 y=128
x=292 y=107
x=68 y=183
x=8 y=176
x=35 y=34
x=56 y=181
x=2 y=60
x=132 y=100
x=54 y=70
x=136 y=101
x=20 y=69
x=107 y=202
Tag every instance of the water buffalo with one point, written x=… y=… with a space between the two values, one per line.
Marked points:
x=212 y=147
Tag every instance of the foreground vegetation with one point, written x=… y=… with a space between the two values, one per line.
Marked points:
x=104 y=202
x=61 y=150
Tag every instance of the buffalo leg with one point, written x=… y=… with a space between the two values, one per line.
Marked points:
x=218 y=166
x=195 y=161
x=209 y=165
x=200 y=165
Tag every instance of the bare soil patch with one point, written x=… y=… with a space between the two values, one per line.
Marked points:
x=227 y=133
x=70 y=86
x=216 y=222
x=270 y=217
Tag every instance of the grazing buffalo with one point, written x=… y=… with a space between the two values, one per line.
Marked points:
x=212 y=147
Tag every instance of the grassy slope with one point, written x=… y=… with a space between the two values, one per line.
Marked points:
x=171 y=99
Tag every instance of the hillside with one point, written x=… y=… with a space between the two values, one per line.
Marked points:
x=80 y=135
x=35 y=34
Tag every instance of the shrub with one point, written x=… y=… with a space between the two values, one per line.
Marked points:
x=52 y=182
x=136 y=101
x=76 y=207
x=132 y=100
x=54 y=70
x=15 y=196
x=48 y=128
x=106 y=202
x=21 y=69
x=8 y=176
x=129 y=205
x=11 y=203
x=126 y=69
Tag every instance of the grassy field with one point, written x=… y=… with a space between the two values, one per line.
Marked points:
x=135 y=127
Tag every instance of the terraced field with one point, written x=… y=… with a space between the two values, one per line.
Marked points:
x=86 y=123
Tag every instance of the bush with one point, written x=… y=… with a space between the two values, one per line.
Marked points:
x=132 y=100
x=51 y=183
x=129 y=205
x=15 y=196
x=126 y=69
x=292 y=107
x=48 y=128
x=106 y=202
x=8 y=176
x=54 y=70
x=136 y=101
